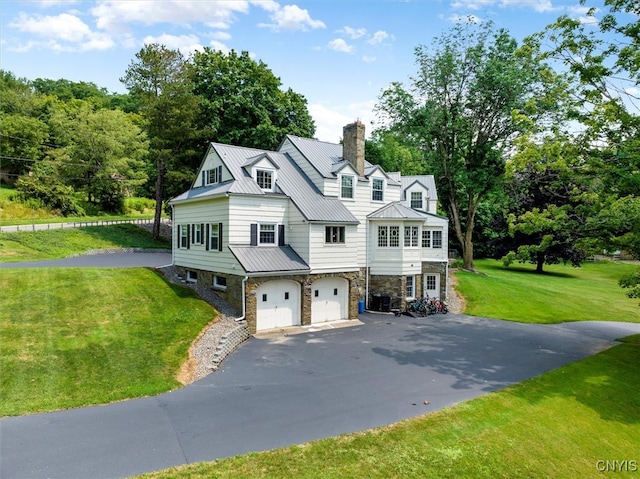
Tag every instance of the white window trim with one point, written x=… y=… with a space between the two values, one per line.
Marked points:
x=433 y=239
x=218 y=286
x=413 y=286
x=374 y=190
x=191 y=276
x=421 y=200
x=353 y=187
x=212 y=227
x=339 y=228
x=265 y=170
x=275 y=234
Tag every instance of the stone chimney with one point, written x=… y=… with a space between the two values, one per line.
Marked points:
x=353 y=145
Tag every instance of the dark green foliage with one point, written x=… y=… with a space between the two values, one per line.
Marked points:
x=243 y=103
x=46 y=190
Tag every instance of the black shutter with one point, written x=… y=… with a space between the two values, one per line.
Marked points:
x=281 y=235
x=220 y=235
x=203 y=179
x=207 y=238
x=179 y=239
x=254 y=234
x=188 y=237
x=220 y=174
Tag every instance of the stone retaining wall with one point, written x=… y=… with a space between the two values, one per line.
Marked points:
x=229 y=342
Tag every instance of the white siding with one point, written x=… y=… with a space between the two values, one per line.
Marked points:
x=244 y=210
x=197 y=256
x=332 y=257
x=297 y=233
x=210 y=162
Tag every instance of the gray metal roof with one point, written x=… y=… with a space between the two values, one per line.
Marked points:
x=428 y=181
x=397 y=211
x=290 y=182
x=269 y=259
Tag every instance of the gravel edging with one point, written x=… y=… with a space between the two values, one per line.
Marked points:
x=219 y=339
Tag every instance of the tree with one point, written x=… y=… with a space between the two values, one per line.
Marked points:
x=101 y=153
x=160 y=79
x=459 y=112
x=392 y=154
x=601 y=54
x=243 y=103
x=547 y=194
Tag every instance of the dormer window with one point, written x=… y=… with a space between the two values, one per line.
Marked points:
x=416 y=200
x=377 y=189
x=264 y=178
x=346 y=187
x=214 y=175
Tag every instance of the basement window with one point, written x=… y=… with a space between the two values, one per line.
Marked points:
x=220 y=282
x=192 y=276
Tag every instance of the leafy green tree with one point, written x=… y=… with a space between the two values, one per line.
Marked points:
x=243 y=102
x=602 y=57
x=160 y=80
x=101 y=153
x=547 y=194
x=44 y=188
x=389 y=151
x=22 y=141
x=460 y=110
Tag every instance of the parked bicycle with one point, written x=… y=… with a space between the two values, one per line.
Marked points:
x=426 y=306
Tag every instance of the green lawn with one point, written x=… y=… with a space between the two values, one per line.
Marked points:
x=78 y=336
x=563 y=293
x=53 y=244
x=558 y=425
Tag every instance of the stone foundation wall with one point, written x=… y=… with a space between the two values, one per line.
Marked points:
x=433 y=268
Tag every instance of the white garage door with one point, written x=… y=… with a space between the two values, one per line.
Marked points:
x=329 y=300
x=278 y=304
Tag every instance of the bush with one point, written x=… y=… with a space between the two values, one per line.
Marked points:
x=37 y=192
x=140 y=205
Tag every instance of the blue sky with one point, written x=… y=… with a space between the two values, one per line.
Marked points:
x=339 y=54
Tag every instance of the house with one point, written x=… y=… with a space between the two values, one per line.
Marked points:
x=308 y=233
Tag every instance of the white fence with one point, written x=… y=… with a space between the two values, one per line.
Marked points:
x=75 y=224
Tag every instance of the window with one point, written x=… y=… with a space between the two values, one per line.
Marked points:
x=346 y=187
x=377 y=190
x=183 y=236
x=426 y=239
x=383 y=240
x=265 y=179
x=334 y=234
x=416 y=200
x=430 y=282
x=437 y=239
x=214 y=237
x=267 y=234
x=410 y=236
x=213 y=176
x=192 y=276
x=219 y=282
x=196 y=233
x=410 y=287
x=286 y=295
x=394 y=236
x=388 y=236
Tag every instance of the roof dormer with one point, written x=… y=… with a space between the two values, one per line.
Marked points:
x=263 y=170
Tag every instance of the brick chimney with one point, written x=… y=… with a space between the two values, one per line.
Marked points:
x=353 y=145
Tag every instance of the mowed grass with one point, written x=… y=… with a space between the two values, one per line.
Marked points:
x=558 y=425
x=54 y=244
x=79 y=336
x=562 y=293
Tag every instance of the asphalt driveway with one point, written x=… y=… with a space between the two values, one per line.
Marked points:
x=293 y=389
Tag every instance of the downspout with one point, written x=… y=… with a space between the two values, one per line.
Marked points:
x=366 y=266
x=173 y=250
x=244 y=299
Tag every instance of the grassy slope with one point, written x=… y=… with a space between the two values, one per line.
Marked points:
x=52 y=244
x=562 y=294
x=79 y=336
x=556 y=425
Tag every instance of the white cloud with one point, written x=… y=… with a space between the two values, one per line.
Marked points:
x=291 y=18
x=114 y=16
x=455 y=18
x=219 y=46
x=330 y=120
x=221 y=36
x=580 y=14
x=353 y=33
x=186 y=44
x=368 y=59
x=340 y=45
x=379 y=37
x=536 y=5
x=64 y=32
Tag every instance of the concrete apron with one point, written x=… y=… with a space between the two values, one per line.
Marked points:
x=311 y=328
